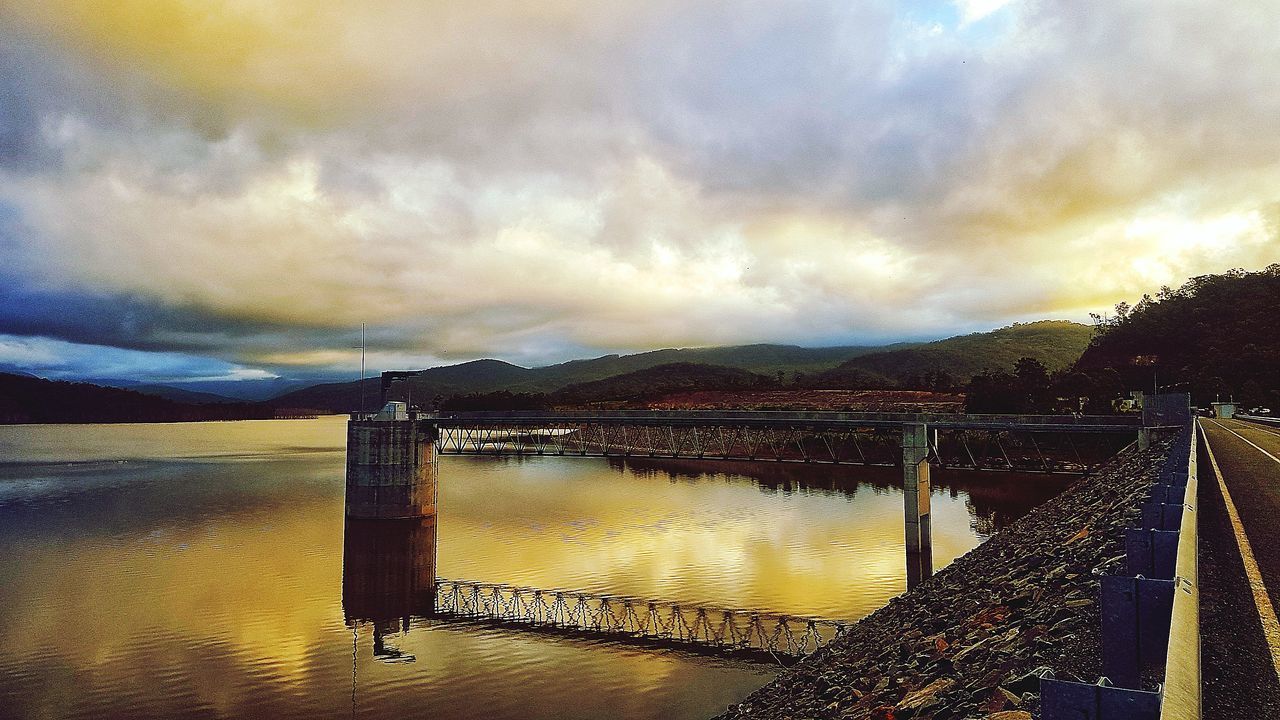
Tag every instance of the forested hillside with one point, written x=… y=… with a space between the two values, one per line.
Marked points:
x=26 y=399
x=942 y=365
x=1056 y=344
x=1217 y=334
x=480 y=377
x=660 y=380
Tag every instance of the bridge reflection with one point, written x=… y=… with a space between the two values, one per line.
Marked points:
x=388 y=579
x=995 y=499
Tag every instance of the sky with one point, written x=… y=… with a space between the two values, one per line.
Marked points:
x=205 y=189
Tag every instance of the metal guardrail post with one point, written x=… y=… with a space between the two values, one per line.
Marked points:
x=1061 y=700
x=1148 y=619
x=1135 y=626
x=1151 y=553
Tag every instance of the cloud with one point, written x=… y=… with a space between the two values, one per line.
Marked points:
x=538 y=180
x=972 y=11
x=59 y=360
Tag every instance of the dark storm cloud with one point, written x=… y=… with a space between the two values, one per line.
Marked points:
x=531 y=180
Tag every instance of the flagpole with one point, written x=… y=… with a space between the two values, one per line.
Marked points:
x=363 y=347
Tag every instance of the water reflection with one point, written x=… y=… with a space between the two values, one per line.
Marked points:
x=996 y=499
x=388 y=577
x=192 y=571
x=389 y=566
x=388 y=580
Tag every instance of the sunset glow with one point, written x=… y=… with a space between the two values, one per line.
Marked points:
x=228 y=190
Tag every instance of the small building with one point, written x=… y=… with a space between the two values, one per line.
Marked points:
x=1132 y=404
x=1224 y=409
x=393 y=411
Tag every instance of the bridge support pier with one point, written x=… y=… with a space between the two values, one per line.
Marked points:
x=391 y=466
x=915 y=477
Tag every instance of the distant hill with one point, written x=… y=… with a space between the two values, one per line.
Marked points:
x=1055 y=343
x=486 y=376
x=661 y=380
x=764 y=359
x=334 y=397
x=25 y=399
x=1217 y=334
x=168 y=392
x=246 y=390
x=477 y=376
x=229 y=390
x=9 y=369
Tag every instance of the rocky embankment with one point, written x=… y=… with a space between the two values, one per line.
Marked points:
x=973 y=641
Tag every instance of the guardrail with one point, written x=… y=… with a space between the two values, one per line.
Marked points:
x=1150 y=615
x=1122 y=424
x=1259 y=419
x=1182 y=666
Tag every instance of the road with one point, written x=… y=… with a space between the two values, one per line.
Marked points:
x=1240 y=569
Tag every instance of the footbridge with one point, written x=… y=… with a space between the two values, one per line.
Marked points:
x=392 y=455
x=393 y=479
x=388 y=579
x=1028 y=443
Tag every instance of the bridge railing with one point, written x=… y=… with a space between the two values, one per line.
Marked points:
x=625 y=617
x=1150 y=616
x=1083 y=423
x=1027 y=450
x=1261 y=419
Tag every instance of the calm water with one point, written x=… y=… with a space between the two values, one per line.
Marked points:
x=196 y=570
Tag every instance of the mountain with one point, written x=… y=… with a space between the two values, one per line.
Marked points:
x=34 y=400
x=250 y=390
x=1055 y=343
x=765 y=359
x=474 y=376
x=228 y=390
x=10 y=369
x=1217 y=334
x=335 y=397
x=660 y=380
x=484 y=376
x=477 y=376
x=168 y=392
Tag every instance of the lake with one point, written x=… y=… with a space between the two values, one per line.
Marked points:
x=196 y=570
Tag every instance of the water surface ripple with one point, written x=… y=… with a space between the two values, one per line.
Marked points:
x=196 y=570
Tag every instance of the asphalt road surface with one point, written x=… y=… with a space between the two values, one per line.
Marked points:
x=1240 y=640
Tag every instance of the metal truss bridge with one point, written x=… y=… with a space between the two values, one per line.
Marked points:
x=1028 y=443
x=619 y=617
x=388 y=578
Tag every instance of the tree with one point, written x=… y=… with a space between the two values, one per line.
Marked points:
x=993 y=391
x=1214 y=334
x=940 y=381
